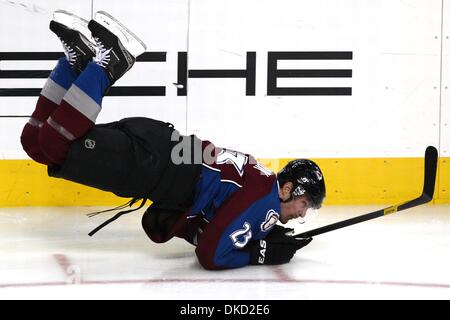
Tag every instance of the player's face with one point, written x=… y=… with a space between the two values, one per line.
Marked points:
x=294 y=209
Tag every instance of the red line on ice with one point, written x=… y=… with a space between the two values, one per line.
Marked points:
x=217 y=280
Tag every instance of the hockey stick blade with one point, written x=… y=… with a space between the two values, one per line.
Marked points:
x=431 y=158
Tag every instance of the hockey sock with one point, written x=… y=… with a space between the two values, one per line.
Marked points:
x=76 y=114
x=60 y=79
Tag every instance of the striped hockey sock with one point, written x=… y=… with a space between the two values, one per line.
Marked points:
x=76 y=113
x=54 y=90
x=60 y=79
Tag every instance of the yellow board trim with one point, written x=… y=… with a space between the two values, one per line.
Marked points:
x=353 y=181
x=26 y=183
x=390 y=210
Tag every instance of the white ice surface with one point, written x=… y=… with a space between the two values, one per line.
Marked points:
x=45 y=253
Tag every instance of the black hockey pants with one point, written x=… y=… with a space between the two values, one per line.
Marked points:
x=131 y=158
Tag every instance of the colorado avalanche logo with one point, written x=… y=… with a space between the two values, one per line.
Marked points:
x=271 y=219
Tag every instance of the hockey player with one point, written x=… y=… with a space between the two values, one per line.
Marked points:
x=222 y=201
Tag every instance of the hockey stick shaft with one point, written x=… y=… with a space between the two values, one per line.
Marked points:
x=431 y=157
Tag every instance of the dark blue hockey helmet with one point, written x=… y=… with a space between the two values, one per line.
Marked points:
x=306 y=177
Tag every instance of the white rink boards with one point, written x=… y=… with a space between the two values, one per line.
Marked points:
x=399 y=101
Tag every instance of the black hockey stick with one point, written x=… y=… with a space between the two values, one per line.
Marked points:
x=431 y=157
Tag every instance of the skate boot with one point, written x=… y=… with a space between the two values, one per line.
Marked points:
x=117 y=47
x=75 y=37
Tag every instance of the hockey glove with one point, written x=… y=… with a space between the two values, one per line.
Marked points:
x=276 y=248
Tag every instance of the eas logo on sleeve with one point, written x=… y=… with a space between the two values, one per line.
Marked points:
x=271 y=219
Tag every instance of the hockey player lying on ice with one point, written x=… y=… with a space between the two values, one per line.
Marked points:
x=223 y=202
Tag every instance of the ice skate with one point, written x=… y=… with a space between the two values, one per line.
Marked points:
x=117 y=47
x=129 y=40
x=75 y=37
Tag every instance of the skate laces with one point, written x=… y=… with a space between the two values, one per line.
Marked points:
x=70 y=53
x=102 y=55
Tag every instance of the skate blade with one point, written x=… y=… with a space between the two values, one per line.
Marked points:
x=130 y=41
x=74 y=22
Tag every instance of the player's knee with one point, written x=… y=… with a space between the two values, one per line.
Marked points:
x=30 y=144
x=29 y=138
x=52 y=144
x=204 y=258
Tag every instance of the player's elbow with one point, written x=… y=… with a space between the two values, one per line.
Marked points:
x=206 y=259
x=206 y=262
